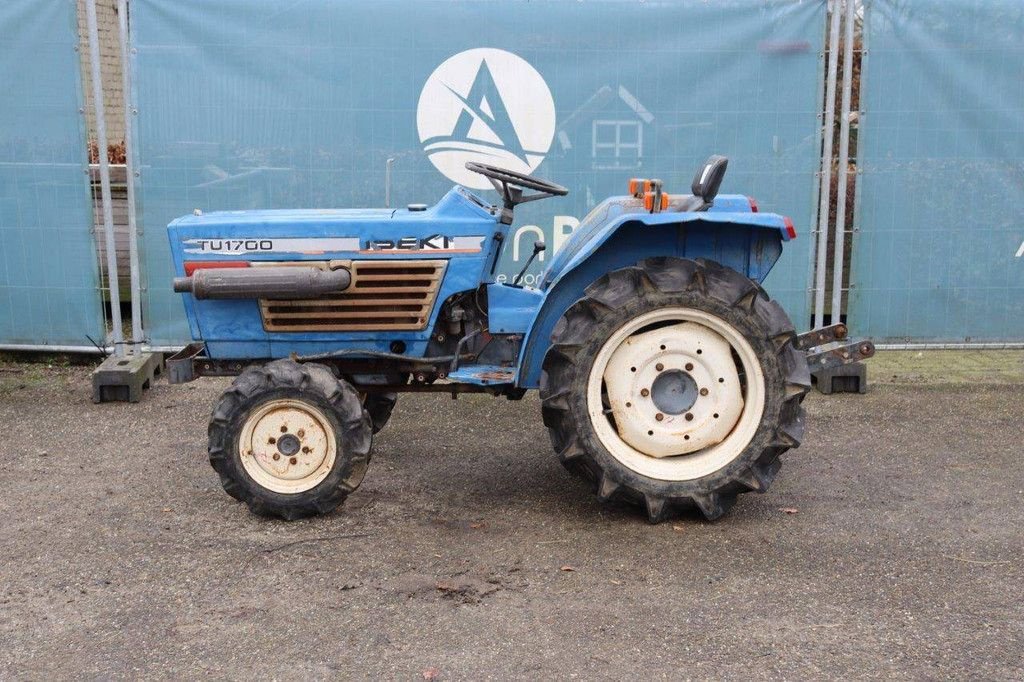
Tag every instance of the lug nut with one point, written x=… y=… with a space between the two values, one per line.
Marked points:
x=644 y=392
x=703 y=391
x=689 y=416
x=300 y=433
x=293 y=461
x=659 y=416
x=276 y=456
x=659 y=367
x=284 y=429
x=689 y=367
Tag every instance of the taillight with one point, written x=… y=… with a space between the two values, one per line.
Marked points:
x=790 y=230
x=753 y=204
x=193 y=265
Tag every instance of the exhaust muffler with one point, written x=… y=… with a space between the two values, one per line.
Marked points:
x=276 y=282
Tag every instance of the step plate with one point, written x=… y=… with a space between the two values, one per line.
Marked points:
x=483 y=375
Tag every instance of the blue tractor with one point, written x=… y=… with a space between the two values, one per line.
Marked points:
x=668 y=377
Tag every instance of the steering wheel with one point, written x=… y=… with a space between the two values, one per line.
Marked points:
x=511 y=185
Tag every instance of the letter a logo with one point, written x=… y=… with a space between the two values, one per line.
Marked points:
x=489 y=106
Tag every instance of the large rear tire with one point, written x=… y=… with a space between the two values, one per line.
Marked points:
x=290 y=440
x=672 y=384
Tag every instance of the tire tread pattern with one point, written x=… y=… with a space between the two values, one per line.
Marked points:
x=309 y=381
x=652 y=283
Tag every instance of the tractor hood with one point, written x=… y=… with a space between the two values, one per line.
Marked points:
x=457 y=203
x=457 y=222
x=263 y=217
x=449 y=242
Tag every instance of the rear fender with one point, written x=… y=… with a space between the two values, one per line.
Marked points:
x=750 y=243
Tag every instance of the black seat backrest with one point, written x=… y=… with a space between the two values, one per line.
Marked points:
x=708 y=179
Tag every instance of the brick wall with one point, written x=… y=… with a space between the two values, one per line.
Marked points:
x=110 y=66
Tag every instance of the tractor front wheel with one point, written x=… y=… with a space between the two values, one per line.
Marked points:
x=290 y=440
x=674 y=383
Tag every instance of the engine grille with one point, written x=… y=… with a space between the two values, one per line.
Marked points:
x=384 y=295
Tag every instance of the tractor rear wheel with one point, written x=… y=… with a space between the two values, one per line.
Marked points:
x=674 y=383
x=290 y=440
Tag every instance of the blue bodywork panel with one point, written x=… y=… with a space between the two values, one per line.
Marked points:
x=736 y=240
x=510 y=310
x=234 y=328
x=464 y=231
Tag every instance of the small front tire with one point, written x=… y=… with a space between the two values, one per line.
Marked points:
x=290 y=440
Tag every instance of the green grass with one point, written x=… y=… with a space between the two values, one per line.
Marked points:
x=947 y=367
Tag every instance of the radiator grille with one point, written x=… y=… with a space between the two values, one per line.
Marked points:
x=384 y=295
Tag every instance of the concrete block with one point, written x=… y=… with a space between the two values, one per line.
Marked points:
x=124 y=379
x=851 y=378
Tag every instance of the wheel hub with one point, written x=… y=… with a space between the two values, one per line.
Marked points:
x=674 y=390
x=287 y=446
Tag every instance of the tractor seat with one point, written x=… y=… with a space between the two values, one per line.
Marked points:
x=705 y=187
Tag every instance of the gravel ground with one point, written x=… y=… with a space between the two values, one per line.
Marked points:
x=890 y=546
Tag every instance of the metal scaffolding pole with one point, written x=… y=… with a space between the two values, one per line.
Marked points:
x=826 y=169
x=129 y=150
x=101 y=141
x=838 y=254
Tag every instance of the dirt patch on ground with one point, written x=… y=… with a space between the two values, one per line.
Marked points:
x=890 y=545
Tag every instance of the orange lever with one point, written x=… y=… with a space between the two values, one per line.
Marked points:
x=650 y=199
x=638 y=187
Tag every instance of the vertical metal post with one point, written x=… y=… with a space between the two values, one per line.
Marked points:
x=826 y=168
x=129 y=162
x=101 y=141
x=844 y=160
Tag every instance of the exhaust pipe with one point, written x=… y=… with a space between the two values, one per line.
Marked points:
x=285 y=282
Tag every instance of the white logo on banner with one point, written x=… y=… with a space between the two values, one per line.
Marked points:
x=489 y=106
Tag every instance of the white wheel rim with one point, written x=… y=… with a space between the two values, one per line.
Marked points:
x=287 y=446
x=681 y=445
